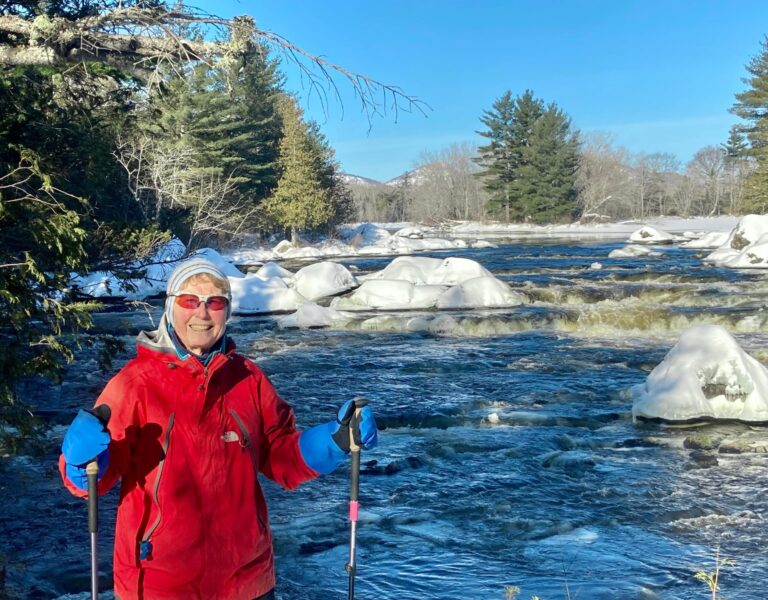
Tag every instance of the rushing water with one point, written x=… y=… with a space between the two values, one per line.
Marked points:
x=508 y=455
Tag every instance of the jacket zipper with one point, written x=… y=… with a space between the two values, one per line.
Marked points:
x=251 y=449
x=145 y=547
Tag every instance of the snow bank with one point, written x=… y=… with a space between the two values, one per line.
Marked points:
x=706 y=375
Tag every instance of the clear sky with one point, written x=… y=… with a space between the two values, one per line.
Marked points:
x=658 y=75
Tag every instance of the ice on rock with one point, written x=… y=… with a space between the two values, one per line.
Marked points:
x=650 y=235
x=705 y=375
x=480 y=292
x=323 y=279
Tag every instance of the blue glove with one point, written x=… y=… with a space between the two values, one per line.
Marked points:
x=324 y=446
x=86 y=439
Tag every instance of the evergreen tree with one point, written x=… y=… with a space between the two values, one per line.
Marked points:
x=752 y=106
x=529 y=166
x=300 y=200
x=328 y=172
x=226 y=114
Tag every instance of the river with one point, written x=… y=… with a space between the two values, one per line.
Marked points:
x=508 y=455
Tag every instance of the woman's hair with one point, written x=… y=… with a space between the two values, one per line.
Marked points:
x=222 y=284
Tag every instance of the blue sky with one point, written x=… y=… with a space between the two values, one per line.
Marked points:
x=659 y=76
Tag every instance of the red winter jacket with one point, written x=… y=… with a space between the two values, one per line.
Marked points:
x=188 y=442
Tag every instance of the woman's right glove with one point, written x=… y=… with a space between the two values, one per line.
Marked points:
x=86 y=439
x=324 y=446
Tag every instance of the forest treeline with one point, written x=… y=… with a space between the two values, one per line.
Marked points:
x=537 y=168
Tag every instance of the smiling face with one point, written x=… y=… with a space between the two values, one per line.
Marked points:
x=199 y=329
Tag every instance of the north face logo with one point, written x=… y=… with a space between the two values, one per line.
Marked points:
x=230 y=436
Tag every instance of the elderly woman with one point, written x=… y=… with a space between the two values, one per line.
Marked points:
x=192 y=423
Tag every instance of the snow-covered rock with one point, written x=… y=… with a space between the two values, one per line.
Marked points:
x=745 y=247
x=454 y=271
x=415 y=233
x=650 y=235
x=254 y=295
x=272 y=269
x=632 y=251
x=713 y=239
x=323 y=279
x=389 y=294
x=706 y=375
x=415 y=269
x=311 y=315
x=480 y=292
x=220 y=261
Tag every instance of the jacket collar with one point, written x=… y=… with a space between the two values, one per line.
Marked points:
x=159 y=343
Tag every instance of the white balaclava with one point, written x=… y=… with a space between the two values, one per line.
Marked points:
x=185 y=270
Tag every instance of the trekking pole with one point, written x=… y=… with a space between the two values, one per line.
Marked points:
x=92 y=472
x=353 y=495
x=102 y=413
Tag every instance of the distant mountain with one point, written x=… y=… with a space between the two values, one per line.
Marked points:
x=357 y=179
x=415 y=177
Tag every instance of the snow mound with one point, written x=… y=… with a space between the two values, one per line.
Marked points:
x=706 y=375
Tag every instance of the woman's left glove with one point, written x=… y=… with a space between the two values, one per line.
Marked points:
x=324 y=446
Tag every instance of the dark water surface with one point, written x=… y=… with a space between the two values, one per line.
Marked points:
x=508 y=455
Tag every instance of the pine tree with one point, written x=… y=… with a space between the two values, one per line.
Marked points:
x=752 y=106
x=529 y=167
x=300 y=200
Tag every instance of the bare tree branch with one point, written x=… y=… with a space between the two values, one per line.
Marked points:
x=140 y=40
